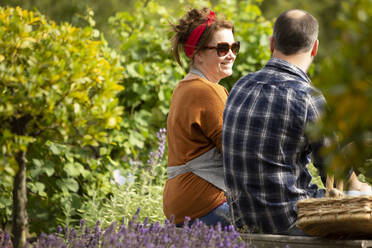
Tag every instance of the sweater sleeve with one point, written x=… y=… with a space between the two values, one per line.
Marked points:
x=209 y=106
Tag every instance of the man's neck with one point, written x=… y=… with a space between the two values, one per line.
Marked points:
x=301 y=60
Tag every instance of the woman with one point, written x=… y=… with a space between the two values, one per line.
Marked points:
x=195 y=185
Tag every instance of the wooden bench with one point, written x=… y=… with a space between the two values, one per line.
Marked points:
x=284 y=241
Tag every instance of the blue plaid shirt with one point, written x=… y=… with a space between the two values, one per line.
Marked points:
x=265 y=149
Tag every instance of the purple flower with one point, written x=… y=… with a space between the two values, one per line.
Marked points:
x=137 y=212
x=136 y=234
x=155 y=157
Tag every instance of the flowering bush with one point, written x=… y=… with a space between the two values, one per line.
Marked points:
x=133 y=233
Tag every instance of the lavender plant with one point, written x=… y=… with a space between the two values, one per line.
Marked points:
x=155 y=164
x=5 y=241
x=124 y=201
x=155 y=157
x=133 y=233
x=143 y=188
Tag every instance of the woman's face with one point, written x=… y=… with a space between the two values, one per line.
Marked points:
x=213 y=66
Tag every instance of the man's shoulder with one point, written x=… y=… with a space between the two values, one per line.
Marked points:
x=253 y=76
x=279 y=80
x=270 y=75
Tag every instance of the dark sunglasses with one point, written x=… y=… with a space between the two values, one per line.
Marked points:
x=223 y=48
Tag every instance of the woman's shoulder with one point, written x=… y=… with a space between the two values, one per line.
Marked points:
x=201 y=86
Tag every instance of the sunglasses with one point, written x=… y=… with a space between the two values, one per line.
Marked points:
x=223 y=48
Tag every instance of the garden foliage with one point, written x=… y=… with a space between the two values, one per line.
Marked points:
x=346 y=80
x=58 y=86
x=141 y=187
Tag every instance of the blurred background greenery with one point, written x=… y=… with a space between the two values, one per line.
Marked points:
x=326 y=11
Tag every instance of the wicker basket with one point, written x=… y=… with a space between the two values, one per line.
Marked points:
x=341 y=216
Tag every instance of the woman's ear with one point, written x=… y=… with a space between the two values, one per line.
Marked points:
x=198 y=58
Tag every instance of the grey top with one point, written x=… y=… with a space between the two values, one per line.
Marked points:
x=207 y=166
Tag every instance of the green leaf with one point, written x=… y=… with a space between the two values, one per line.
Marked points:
x=71 y=169
x=55 y=150
x=37 y=188
x=38 y=162
x=136 y=139
x=72 y=185
x=68 y=184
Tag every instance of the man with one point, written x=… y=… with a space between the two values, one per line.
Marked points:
x=265 y=148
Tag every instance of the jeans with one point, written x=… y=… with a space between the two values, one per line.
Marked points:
x=219 y=214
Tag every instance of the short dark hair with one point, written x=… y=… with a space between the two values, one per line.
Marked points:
x=294 y=34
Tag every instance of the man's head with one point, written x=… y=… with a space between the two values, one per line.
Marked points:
x=295 y=31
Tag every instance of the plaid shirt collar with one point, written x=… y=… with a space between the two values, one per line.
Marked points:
x=281 y=65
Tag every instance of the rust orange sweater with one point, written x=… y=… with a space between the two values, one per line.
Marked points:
x=194 y=126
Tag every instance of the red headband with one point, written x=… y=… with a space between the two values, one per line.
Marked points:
x=196 y=33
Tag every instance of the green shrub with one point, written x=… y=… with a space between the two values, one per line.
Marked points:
x=58 y=104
